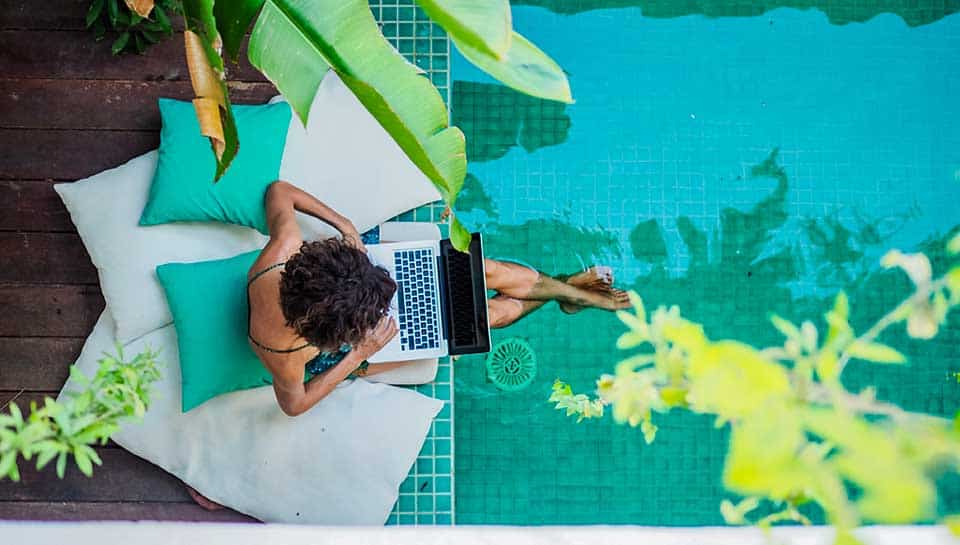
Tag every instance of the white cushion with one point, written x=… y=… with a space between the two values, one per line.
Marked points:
x=106 y=208
x=340 y=463
x=348 y=160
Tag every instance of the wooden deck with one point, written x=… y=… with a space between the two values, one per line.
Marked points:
x=69 y=109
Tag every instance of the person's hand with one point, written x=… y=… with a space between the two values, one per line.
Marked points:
x=378 y=337
x=352 y=236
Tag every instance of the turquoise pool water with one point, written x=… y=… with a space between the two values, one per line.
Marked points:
x=733 y=166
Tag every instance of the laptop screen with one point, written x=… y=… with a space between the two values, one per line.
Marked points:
x=466 y=298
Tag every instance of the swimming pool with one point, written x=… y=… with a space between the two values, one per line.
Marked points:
x=732 y=165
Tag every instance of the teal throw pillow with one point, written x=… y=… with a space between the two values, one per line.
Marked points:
x=183 y=187
x=208 y=301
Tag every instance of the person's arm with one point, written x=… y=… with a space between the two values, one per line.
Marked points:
x=296 y=398
x=283 y=198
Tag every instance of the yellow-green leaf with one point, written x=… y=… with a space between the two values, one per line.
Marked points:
x=61 y=464
x=732 y=380
x=827 y=365
x=631 y=321
x=789 y=330
x=953 y=282
x=674 y=396
x=841 y=306
x=649 y=431
x=524 y=67
x=952 y=522
x=922 y=322
x=459 y=235
x=845 y=537
x=630 y=339
x=83 y=462
x=736 y=514
x=484 y=24
x=875 y=352
x=687 y=335
x=954 y=245
x=917 y=266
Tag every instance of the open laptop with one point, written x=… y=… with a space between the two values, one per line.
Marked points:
x=441 y=300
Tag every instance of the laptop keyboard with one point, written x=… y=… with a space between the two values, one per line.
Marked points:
x=416 y=276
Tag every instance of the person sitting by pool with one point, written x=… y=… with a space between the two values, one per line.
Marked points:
x=322 y=305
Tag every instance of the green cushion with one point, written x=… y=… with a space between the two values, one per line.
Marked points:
x=183 y=188
x=208 y=301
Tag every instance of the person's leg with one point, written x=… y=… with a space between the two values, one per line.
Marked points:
x=503 y=311
x=203 y=501
x=597 y=278
x=520 y=282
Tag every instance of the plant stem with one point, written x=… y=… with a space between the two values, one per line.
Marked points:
x=866 y=405
x=890 y=318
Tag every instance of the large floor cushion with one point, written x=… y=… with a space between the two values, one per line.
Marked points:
x=341 y=463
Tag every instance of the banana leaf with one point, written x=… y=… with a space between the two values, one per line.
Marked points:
x=483 y=32
x=233 y=19
x=212 y=102
x=484 y=25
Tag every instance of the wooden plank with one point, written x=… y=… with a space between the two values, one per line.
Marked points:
x=48 y=311
x=122 y=477
x=32 y=205
x=55 y=15
x=99 y=104
x=69 y=54
x=134 y=511
x=36 y=364
x=45 y=258
x=68 y=154
x=23 y=398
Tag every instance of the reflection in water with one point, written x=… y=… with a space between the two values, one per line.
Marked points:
x=647 y=244
x=473 y=197
x=555 y=248
x=839 y=12
x=500 y=118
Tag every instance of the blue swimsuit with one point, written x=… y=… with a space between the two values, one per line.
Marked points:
x=324 y=360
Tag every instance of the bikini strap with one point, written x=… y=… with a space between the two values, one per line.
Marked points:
x=274 y=350
x=264 y=271
x=249 y=336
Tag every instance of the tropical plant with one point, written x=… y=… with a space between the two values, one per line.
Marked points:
x=137 y=26
x=295 y=42
x=120 y=390
x=797 y=434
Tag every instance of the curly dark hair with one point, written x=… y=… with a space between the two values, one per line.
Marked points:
x=331 y=294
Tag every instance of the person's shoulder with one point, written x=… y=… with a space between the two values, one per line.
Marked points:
x=277 y=250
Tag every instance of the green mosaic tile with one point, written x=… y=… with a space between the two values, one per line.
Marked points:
x=423 y=43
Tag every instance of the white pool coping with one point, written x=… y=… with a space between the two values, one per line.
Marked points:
x=177 y=533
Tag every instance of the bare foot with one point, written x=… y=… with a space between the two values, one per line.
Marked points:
x=202 y=501
x=599 y=280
